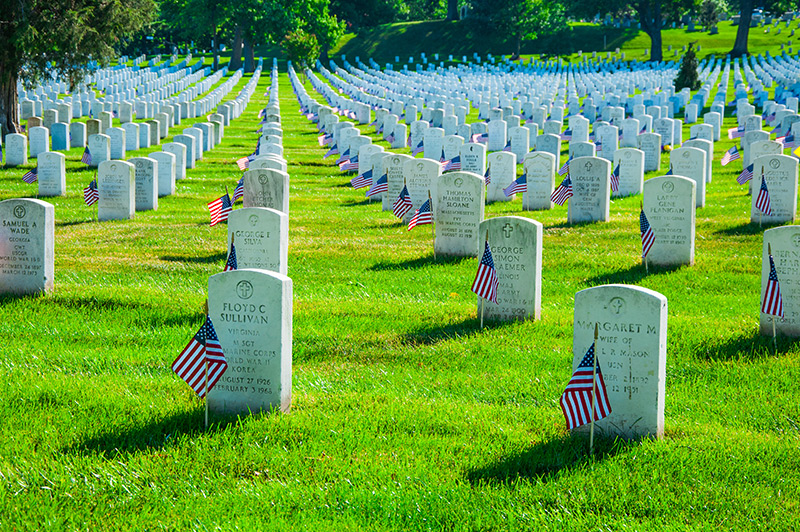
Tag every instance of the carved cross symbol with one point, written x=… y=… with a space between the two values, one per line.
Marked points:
x=507 y=230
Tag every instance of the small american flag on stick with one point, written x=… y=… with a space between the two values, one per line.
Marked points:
x=772 y=302
x=585 y=398
x=202 y=362
x=220 y=208
x=403 y=203
x=90 y=193
x=32 y=175
x=486 y=281
x=648 y=238
x=762 y=201
x=563 y=192
x=422 y=216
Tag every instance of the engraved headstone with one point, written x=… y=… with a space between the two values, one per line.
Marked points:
x=27 y=237
x=691 y=163
x=179 y=151
x=39 y=140
x=117 y=143
x=116 y=184
x=539 y=168
x=631 y=352
x=393 y=164
x=502 y=171
x=458 y=211
x=16 y=149
x=189 y=153
x=591 y=188
x=100 y=148
x=52 y=177
x=166 y=172
x=266 y=188
x=516 y=245
x=421 y=179
x=473 y=158
x=650 y=144
x=252 y=313
x=669 y=204
x=780 y=174
x=77 y=135
x=261 y=238
x=631 y=171
x=146 y=188
x=785 y=244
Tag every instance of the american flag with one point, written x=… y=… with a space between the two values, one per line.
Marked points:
x=231 y=263
x=363 y=180
x=648 y=238
x=669 y=172
x=238 y=192
x=220 y=208
x=243 y=163
x=422 y=216
x=745 y=176
x=90 y=193
x=324 y=139
x=390 y=138
x=408 y=140
x=419 y=149
x=731 y=155
x=643 y=130
x=563 y=192
x=349 y=165
x=736 y=132
x=787 y=141
x=615 y=179
x=762 y=201
x=442 y=158
x=507 y=146
x=32 y=175
x=520 y=184
x=402 y=204
x=452 y=164
x=577 y=399
x=343 y=157
x=567 y=134
x=86 y=158
x=191 y=363
x=481 y=138
x=381 y=185
x=565 y=167
x=486 y=281
x=334 y=149
x=772 y=303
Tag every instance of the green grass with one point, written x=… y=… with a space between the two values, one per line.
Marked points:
x=406 y=416
x=411 y=38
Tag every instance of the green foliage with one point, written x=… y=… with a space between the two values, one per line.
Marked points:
x=40 y=37
x=357 y=14
x=688 y=75
x=518 y=19
x=301 y=47
x=709 y=13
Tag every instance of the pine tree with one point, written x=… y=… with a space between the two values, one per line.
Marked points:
x=687 y=74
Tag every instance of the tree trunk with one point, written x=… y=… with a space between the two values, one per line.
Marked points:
x=743 y=31
x=452 y=9
x=236 y=53
x=650 y=19
x=215 y=45
x=249 y=60
x=9 y=104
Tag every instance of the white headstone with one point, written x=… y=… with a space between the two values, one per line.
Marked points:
x=779 y=172
x=146 y=188
x=669 y=204
x=27 y=237
x=591 y=188
x=631 y=171
x=116 y=184
x=691 y=163
x=51 y=174
x=458 y=211
x=252 y=314
x=166 y=172
x=266 y=188
x=631 y=352
x=261 y=238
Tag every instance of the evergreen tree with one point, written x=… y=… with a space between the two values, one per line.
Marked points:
x=687 y=74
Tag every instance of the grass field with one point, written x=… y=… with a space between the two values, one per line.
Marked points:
x=406 y=416
x=386 y=42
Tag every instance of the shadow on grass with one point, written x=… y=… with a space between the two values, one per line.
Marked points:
x=151 y=313
x=151 y=436
x=422 y=262
x=544 y=461
x=362 y=203
x=631 y=275
x=749 y=228
x=195 y=259
x=439 y=333
x=748 y=347
x=567 y=225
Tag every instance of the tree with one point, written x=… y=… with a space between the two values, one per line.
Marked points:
x=688 y=76
x=746 y=17
x=452 y=10
x=651 y=14
x=41 y=38
x=197 y=20
x=709 y=14
x=301 y=47
x=518 y=19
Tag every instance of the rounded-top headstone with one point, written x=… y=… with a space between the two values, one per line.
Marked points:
x=27 y=236
x=631 y=353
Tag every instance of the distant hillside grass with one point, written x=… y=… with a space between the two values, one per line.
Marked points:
x=408 y=39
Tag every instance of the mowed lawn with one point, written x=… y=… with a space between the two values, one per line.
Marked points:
x=406 y=415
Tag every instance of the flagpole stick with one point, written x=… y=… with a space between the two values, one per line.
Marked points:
x=433 y=226
x=206 y=370
x=594 y=392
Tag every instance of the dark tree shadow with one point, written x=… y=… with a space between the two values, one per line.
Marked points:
x=195 y=259
x=748 y=228
x=631 y=275
x=156 y=318
x=748 y=347
x=566 y=225
x=439 y=333
x=151 y=436
x=422 y=262
x=362 y=203
x=76 y=222
x=544 y=461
